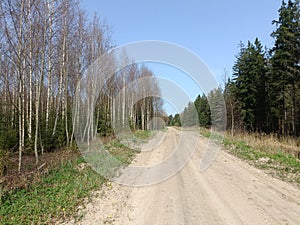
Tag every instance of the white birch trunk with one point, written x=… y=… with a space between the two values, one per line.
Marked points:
x=123 y=100
x=21 y=88
x=49 y=89
x=30 y=76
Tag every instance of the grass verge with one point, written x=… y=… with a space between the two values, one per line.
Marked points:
x=143 y=134
x=57 y=194
x=262 y=153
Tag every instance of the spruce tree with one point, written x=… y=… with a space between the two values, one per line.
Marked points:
x=249 y=78
x=202 y=106
x=284 y=75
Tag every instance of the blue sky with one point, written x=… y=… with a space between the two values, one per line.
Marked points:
x=211 y=29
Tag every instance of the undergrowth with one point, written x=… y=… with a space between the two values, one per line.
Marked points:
x=265 y=153
x=58 y=194
x=142 y=134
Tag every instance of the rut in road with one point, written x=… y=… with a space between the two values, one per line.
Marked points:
x=229 y=192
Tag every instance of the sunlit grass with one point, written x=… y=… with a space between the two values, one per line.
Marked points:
x=277 y=156
x=59 y=193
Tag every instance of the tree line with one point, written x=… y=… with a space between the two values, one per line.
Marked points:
x=263 y=94
x=45 y=47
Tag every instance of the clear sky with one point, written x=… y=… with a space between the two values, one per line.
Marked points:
x=211 y=29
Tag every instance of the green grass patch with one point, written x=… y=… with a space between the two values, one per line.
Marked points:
x=142 y=134
x=55 y=197
x=205 y=133
x=58 y=194
x=243 y=150
x=121 y=152
x=290 y=162
x=277 y=161
x=283 y=165
x=214 y=136
x=165 y=129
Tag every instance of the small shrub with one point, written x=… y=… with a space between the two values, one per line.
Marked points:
x=3 y=162
x=8 y=138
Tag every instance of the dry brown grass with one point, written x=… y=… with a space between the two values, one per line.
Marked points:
x=279 y=157
x=268 y=143
x=30 y=173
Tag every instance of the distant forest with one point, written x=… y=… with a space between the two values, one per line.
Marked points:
x=263 y=94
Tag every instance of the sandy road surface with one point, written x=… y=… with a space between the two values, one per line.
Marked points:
x=229 y=192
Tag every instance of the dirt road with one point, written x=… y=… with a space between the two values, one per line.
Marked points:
x=229 y=192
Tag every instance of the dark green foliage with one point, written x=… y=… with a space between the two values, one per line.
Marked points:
x=8 y=133
x=285 y=70
x=203 y=109
x=104 y=126
x=170 y=120
x=264 y=95
x=8 y=138
x=204 y=112
x=189 y=116
x=175 y=121
x=249 y=80
x=264 y=92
